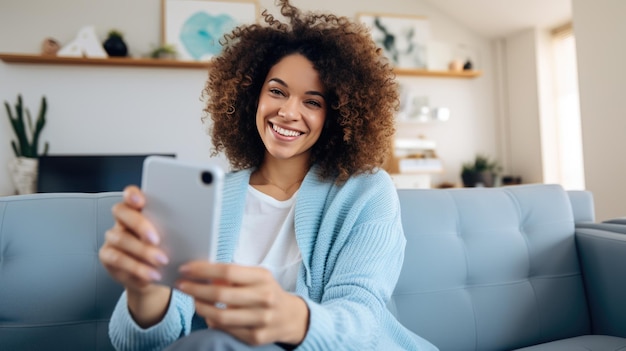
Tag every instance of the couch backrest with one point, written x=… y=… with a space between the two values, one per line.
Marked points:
x=490 y=268
x=54 y=293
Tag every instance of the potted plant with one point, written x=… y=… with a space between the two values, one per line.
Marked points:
x=480 y=172
x=165 y=51
x=26 y=148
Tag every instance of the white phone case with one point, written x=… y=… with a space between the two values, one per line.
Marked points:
x=183 y=201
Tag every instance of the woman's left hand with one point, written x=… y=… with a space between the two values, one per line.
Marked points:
x=245 y=302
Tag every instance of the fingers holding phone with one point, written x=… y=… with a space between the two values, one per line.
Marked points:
x=245 y=301
x=130 y=252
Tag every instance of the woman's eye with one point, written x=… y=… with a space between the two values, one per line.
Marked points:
x=314 y=103
x=276 y=92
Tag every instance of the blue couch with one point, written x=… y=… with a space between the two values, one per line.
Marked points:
x=521 y=267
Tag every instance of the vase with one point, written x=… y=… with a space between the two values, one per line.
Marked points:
x=24 y=174
x=115 y=46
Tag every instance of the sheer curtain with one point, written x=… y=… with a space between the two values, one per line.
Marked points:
x=568 y=126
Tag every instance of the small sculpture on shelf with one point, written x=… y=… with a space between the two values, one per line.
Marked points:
x=50 y=47
x=455 y=65
x=86 y=44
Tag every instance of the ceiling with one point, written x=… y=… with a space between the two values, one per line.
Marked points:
x=501 y=18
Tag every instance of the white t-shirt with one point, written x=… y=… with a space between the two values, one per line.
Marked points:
x=268 y=237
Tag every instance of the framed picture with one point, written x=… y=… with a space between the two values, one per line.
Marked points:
x=404 y=39
x=195 y=27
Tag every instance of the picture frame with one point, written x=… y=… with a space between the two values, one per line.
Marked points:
x=403 y=39
x=194 y=28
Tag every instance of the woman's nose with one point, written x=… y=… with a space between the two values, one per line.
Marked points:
x=289 y=110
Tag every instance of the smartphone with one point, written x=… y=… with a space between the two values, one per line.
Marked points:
x=183 y=202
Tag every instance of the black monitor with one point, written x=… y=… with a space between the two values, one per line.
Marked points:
x=89 y=173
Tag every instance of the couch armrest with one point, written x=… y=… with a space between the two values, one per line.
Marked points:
x=609 y=226
x=603 y=258
x=620 y=220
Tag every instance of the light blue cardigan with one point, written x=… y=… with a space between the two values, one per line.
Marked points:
x=352 y=246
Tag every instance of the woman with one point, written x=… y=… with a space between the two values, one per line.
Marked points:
x=310 y=243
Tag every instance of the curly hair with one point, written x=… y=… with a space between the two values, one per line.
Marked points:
x=362 y=93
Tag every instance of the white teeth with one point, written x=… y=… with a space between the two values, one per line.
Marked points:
x=285 y=132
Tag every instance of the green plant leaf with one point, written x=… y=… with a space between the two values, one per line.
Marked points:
x=15 y=150
x=27 y=138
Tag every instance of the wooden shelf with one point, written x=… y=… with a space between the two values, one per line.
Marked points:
x=111 y=61
x=163 y=63
x=439 y=74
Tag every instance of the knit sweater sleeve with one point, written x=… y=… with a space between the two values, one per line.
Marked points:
x=361 y=266
x=125 y=334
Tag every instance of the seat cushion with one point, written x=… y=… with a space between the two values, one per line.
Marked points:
x=582 y=343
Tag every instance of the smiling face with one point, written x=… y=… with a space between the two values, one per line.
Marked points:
x=292 y=109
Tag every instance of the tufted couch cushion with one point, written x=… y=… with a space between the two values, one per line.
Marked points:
x=54 y=293
x=492 y=268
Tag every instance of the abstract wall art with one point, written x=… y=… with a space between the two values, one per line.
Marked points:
x=404 y=39
x=195 y=27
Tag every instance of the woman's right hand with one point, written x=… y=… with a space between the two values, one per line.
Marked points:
x=131 y=255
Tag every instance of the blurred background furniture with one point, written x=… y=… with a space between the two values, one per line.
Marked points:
x=89 y=173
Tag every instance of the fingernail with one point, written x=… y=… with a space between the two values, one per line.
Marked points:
x=153 y=238
x=155 y=275
x=161 y=258
x=135 y=199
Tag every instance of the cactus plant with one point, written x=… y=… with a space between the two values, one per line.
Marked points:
x=27 y=144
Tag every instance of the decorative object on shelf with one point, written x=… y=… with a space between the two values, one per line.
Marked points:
x=195 y=27
x=49 y=46
x=166 y=51
x=468 y=56
x=86 y=44
x=415 y=107
x=413 y=155
x=404 y=39
x=24 y=167
x=441 y=114
x=468 y=66
x=114 y=45
x=456 y=65
x=482 y=172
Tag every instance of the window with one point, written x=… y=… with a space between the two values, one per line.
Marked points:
x=569 y=156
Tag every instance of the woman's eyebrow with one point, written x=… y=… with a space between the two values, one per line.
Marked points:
x=310 y=92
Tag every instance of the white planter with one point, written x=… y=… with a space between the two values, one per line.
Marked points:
x=24 y=174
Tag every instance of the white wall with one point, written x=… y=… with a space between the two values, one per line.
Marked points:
x=139 y=110
x=599 y=27
x=529 y=132
x=523 y=114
